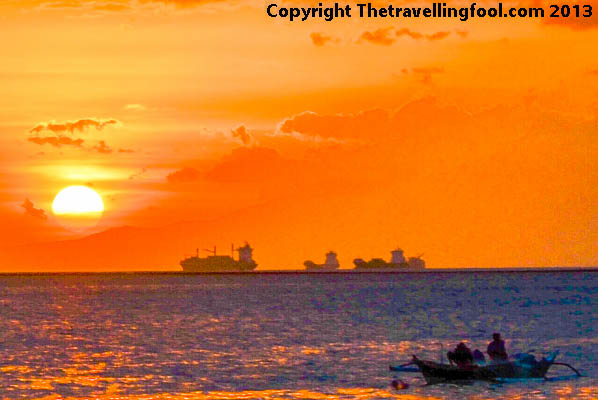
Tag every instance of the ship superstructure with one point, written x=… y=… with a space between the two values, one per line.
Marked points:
x=221 y=263
x=331 y=264
x=397 y=262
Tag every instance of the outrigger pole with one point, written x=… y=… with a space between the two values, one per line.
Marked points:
x=567 y=365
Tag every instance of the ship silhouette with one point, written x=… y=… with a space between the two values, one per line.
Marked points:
x=331 y=263
x=397 y=262
x=217 y=263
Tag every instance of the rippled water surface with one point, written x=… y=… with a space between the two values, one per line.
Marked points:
x=284 y=336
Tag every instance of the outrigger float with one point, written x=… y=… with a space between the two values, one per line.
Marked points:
x=523 y=366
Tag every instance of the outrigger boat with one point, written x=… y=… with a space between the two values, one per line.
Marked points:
x=524 y=366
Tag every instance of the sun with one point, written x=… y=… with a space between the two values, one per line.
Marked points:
x=79 y=201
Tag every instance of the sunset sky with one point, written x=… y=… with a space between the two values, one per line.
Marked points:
x=205 y=123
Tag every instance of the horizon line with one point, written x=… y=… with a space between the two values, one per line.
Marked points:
x=303 y=271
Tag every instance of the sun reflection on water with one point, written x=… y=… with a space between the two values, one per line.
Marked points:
x=113 y=393
x=127 y=338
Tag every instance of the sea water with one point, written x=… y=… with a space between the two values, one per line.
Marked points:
x=286 y=336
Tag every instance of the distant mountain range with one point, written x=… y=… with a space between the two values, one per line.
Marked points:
x=124 y=248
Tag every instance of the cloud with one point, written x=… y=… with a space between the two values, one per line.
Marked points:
x=183 y=3
x=344 y=126
x=135 y=107
x=61 y=129
x=320 y=39
x=251 y=164
x=61 y=4
x=410 y=33
x=111 y=7
x=56 y=141
x=101 y=147
x=116 y=5
x=463 y=34
x=138 y=174
x=383 y=36
x=438 y=36
x=411 y=122
x=380 y=36
x=59 y=141
x=425 y=73
x=241 y=133
x=32 y=211
x=73 y=126
x=418 y=35
x=184 y=175
x=428 y=70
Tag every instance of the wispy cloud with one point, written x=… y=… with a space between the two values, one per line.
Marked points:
x=375 y=125
x=32 y=211
x=251 y=164
x=56 y=141
x=385 y=36
x=101 y=147
x=135 y=107
x=114 y=5
x=320 y=39
x=410 y=33
x=382 y=36
x=438 y=36
x=418 y=35
x=241 y=133
x=138 y=174
x=184 y=175
x=425 y=73
x=73 y=126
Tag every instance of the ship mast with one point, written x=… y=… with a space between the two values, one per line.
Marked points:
x=211 y=251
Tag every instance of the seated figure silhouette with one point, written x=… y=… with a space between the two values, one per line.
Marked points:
x=462 y=356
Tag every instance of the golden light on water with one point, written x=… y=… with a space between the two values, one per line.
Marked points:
x=113 y=392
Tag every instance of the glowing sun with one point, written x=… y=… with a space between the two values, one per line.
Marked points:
x=77 y=200
x=78 y=207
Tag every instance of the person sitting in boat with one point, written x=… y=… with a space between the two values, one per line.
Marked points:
x=478 y=357
x=462 y=356
x=496 y=349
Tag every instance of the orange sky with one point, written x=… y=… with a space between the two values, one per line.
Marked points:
x=203 y=123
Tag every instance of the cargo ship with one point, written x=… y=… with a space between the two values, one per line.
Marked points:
x=216 y=263
x=331 y=264
x=397 y=263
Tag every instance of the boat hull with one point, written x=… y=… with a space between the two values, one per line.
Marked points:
x=379 y=265
x=321 y=269
x=331 y=264
x=311 y=267
x=439 y=373
x=198 y=265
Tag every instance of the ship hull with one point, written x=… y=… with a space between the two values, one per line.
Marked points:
x=311 y=266
x=409 y=269
x=206 y=267
x=321 y=268
x=382 y=267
